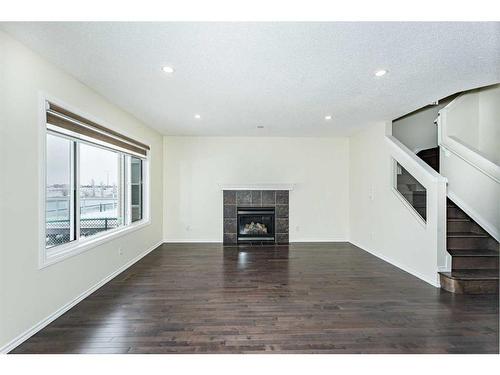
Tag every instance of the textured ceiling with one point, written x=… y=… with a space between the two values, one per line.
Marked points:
x=284 y=76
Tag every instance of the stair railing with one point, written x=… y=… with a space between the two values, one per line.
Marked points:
x=434 y=219
x=473 y=178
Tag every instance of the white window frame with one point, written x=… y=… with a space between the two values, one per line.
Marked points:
x=78 y=246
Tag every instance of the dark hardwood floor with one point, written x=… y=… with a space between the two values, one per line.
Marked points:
x=302 y=298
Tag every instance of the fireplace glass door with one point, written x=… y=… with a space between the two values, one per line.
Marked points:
x=256 y=224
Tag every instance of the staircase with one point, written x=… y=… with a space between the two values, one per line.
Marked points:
x=475 y=254
x=431 y=157
x=413 y=192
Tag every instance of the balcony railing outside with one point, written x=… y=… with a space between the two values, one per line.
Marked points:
x=58 y=231
x=96 y=215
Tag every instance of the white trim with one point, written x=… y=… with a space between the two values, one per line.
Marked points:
x=443 y=256
x=434 y=281
x=146 y=189
x=306 y=240
x=472 y=157
x=316 y=240
x=412 y=163
x=478 y=218
x=467 y=153
x=257 y=186
x=170 y=240
x=56 y=314
x=42 y=156
x=79 y=245
x=75 y=196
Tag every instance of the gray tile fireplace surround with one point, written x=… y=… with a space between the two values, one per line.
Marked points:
x=255 y=198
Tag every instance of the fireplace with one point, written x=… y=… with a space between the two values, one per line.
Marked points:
x=267 y=209
x=255 y=224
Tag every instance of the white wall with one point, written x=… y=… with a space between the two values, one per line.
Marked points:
x=28 y=294
x=195 y=166
x=379 y=221
x=418 y=131
x=474 y=119
x=489 y=123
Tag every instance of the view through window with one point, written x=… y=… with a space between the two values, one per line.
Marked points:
x=99 y=190
x=90 y=189
x=136 y=188
x=58 y=191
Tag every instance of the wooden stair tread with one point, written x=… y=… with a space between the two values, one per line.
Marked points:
x=459 y=219
x=473 y=253
x=467 y=234
x=465 y=275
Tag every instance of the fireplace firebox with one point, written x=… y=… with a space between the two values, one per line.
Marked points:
x=255 y=224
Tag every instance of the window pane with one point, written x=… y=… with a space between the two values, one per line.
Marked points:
x=99 y=190
x=411 y=190
x=136 y=188
x=58 y=192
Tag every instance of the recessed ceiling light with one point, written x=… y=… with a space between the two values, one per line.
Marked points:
x=381 y=72
x=328 y=117
x=197 y=116
x=168 y=69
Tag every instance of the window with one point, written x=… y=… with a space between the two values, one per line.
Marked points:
x=94 y=185
x=412 y=191
x=59 y=187
x=136 y=188
x=99 y=190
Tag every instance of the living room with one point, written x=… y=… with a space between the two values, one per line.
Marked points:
x=250 y=187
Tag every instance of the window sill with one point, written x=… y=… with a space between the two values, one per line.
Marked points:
x=78 y=247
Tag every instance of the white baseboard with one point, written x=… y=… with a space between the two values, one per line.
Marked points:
x=49 y=319
x=325 y=240
x=434 y=281
x=170 y=240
